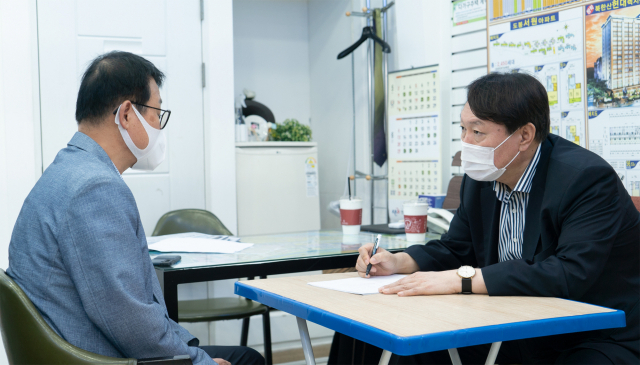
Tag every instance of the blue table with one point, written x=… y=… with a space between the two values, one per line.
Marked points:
x=408 y=326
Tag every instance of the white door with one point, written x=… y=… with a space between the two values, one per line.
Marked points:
x=168 y=33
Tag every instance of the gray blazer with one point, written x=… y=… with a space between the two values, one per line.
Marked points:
x=79 y=252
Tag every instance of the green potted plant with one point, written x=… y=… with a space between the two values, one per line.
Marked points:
x=291 y=131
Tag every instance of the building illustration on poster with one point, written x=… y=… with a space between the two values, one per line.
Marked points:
x=414 y=136
x=613 y=64
x=550 y=48
x=612 y=38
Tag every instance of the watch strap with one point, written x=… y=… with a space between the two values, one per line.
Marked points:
x=466 y=286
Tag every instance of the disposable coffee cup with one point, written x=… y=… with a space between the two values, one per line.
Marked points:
x=415 y=220
x=350 y=215
x=351 y=241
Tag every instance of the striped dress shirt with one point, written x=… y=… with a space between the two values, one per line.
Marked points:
x=512 y=212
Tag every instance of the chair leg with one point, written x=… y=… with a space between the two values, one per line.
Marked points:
x=245 y=331
x=244 y=336
x=266 y=327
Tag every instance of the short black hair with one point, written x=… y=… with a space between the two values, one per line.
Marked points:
x=111 y=79
x=512 y=100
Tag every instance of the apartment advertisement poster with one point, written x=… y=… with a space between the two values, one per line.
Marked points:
x=612 y=38
x=549 y=47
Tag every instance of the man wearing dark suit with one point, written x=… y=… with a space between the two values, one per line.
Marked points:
x=538 y=216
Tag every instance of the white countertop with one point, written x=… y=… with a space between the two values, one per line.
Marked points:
x=276 y=144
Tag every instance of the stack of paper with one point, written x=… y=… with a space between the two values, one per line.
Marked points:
x=155 y=239
x=199 y=245
x=359 y=286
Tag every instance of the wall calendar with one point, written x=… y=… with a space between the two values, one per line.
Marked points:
x=413 y=114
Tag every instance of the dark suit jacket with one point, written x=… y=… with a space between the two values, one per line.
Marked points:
x=581 y=239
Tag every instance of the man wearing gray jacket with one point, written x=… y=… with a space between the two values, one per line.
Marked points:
x=78 y=248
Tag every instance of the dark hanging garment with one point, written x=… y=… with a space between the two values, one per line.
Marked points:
x=379 y=135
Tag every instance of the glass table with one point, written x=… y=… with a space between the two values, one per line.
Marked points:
x=271 y=255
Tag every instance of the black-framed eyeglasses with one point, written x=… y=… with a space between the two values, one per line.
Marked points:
x=164 y=116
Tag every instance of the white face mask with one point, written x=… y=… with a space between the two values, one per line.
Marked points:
x=477 y=162
x=150 y=157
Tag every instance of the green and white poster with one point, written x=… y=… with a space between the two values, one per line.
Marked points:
x=469 y=11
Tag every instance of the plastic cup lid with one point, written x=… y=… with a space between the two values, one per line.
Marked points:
x=421 y=201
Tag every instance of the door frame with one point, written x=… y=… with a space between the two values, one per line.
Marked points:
x=219 y=147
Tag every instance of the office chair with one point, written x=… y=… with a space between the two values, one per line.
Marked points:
x=28 y=339
x=636 y=202
x=452 y=199
x=213 y=309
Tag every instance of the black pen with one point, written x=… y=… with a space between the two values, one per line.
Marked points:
x=375 y=249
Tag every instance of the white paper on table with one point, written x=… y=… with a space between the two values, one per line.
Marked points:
x=397 y=225
x=359 y=286
x=154 y=239
x=200 y=245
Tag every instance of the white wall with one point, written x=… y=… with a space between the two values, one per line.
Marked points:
x=418 y=39
x=331 y=99
x=20 y=161
x=271 y=55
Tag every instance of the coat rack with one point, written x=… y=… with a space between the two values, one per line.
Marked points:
x=369 y=34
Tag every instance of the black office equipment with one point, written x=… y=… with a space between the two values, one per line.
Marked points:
x=166 y=260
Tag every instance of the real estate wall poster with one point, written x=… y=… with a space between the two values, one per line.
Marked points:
x=549 y=47
x=613 y=86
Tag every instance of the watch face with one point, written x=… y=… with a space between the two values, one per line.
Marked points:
x=466 y=271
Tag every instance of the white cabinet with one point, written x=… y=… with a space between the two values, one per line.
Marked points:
x=277 y=187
